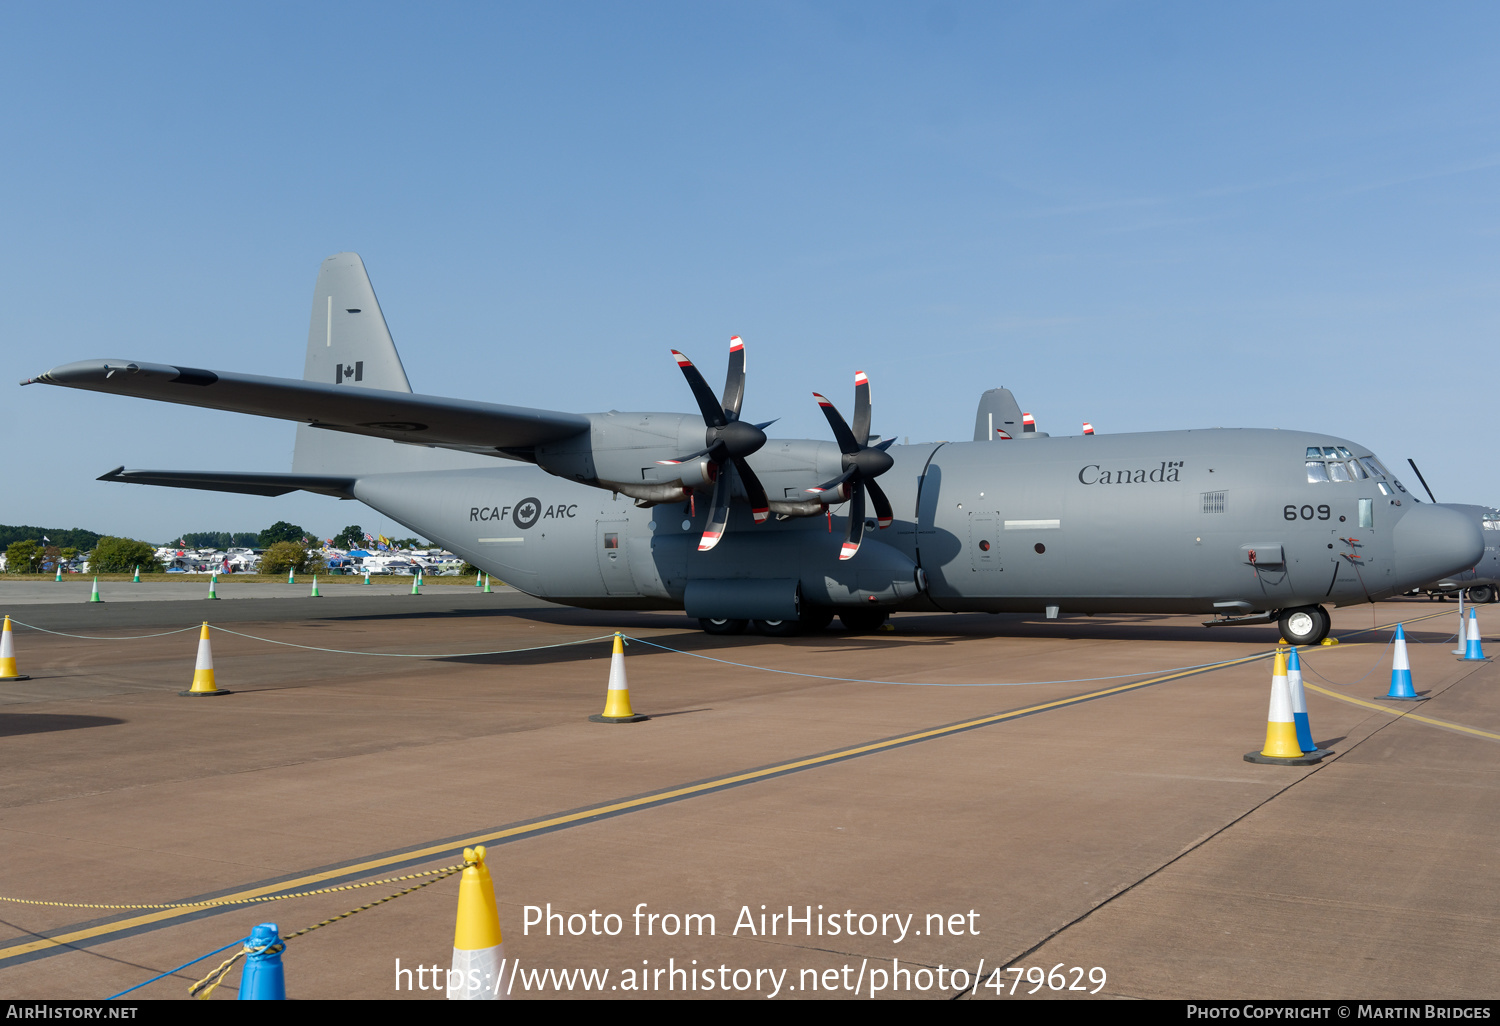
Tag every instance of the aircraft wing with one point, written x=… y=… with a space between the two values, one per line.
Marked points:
x=246 y=484
x=399 y=416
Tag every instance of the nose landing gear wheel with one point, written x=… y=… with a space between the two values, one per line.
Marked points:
x=1305 y=625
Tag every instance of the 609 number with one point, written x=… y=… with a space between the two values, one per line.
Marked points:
x=1291 y=512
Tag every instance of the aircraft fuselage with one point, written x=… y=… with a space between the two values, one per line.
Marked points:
x=1213 y=521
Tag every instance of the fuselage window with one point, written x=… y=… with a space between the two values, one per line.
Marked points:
x=1384 y=489
x=1366 y=512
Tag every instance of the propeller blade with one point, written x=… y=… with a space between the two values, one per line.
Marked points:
x=883 y=511
x=685 y=459
x=861 y=409
x=1422 y=479
x=841 y=433
x=760 y=507
x=713 y=413
x=734 y=381
x=846 y=475
x=854 y=533
x=718 y=515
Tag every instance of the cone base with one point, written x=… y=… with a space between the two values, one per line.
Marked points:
x=1474 y=659
x=204 y=694
x=1403 y=698
x=21 y=677
x=600 y=718
x=1305 y=759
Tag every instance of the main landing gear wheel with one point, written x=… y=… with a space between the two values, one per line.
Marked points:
x=1305 y=625
x=863 y=621
x=1481 y=594
x=815 y=619
x=723 y=626
x=779 y=628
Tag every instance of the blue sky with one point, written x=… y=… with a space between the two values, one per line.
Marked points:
x=1150 y=216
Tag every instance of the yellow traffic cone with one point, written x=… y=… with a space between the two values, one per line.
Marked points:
x=617 y=699
x=8 y=655
x=480 y=971
x=1282 y=746
x=203 y=673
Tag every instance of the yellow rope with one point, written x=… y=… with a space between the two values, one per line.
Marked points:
x=205 y=987
x=445 y=871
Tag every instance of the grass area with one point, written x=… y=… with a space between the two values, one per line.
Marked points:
x=301 y=580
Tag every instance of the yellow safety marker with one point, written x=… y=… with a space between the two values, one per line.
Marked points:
x=203 y=672
x=8 y=656
x=479 y=965
x=617 y=698
x=1282 y=746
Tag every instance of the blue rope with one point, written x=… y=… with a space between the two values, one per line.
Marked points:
x=169 y=972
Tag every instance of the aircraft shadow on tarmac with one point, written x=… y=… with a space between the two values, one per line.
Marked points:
x=15 y=724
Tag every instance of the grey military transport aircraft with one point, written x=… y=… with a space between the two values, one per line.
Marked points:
x=703 y=512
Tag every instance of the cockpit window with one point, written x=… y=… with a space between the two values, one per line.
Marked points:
x=1316 y=472
x=1358 y=469
x=1338 y=471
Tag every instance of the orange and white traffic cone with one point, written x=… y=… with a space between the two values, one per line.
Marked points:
x=617 y=699
x=480 y=971
x=203 y=672
x=8 y=655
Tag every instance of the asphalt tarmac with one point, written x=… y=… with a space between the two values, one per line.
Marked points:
x=1020 y=794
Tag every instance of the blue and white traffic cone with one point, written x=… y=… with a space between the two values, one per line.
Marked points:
x=1401 y=689
x=264 y=978
x=480 y=971
x=1472 y=651
x=1282 y=747
x=1299 y=702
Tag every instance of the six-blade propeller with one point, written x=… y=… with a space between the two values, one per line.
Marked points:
x=727 y=440
x=862 y=464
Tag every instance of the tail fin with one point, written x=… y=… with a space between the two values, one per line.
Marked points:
x=999 y=416
x=349 y=345
x=348 y=342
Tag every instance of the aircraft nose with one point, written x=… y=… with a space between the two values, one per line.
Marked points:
x=1433 y=542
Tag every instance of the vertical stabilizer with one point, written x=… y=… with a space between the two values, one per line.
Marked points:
x=999 y=416
x=348 y=342
x=349 y=345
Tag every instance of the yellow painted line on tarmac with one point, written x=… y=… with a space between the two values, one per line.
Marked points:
x=643 y=801
x=1402 y=713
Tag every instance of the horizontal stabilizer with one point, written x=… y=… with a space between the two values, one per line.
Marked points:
x=245 y=484
x=398 y=416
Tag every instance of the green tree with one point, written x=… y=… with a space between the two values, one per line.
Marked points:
x=290 y=555
x=281 y=531
x=22 y=557
x=121 y=556
x=351 y=537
